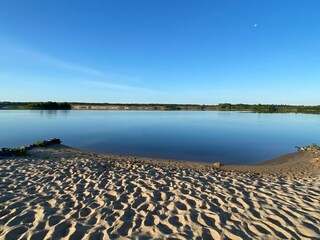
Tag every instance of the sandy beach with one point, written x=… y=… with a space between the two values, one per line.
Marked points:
x=63 y=193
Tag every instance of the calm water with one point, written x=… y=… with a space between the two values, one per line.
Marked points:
x=229 y=137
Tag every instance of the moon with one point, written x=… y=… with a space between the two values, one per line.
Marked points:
x=255 y=25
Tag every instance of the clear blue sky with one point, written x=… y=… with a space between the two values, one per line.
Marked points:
x=160 y=51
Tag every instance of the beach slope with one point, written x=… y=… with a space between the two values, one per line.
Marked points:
x=62 y=193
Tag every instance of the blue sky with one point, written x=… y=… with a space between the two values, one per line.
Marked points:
x=160 y=51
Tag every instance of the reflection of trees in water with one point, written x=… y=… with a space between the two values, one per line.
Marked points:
x=52 y=113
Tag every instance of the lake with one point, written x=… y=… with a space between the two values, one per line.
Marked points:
x=209 y=136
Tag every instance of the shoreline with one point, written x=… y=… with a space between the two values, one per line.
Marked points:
x=295 y=164
x=60 y=192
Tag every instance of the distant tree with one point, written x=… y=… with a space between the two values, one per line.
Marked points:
x=225 y=106
x=272 y=109
x=50 y=106
x=172 y=107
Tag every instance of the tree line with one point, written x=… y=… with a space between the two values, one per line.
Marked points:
x=50 y=106
x=269 y=108
x=259 y=108
x=36 y=105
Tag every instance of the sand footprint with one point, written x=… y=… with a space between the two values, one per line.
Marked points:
x=16 y=233
x=28 y=217
x=181 y=206
x=61 y=230
x=176 y=221
x=165 y=229
x=39 y=235
x=126 y=228
x=55 y=219
x=210 y=234
x=151 y=220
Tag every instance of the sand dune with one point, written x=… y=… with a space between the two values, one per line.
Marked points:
x=61 y=193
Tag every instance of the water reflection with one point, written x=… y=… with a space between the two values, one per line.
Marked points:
x=52 y=112
x=229 y=137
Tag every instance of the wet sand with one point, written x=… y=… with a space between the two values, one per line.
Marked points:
x=63 y=193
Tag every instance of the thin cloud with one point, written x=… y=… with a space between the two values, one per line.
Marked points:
x=122 y=86
x=36 y=80
x=12 y=48
x=29 y=54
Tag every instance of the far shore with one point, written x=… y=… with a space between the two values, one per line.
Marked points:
x=258 y=108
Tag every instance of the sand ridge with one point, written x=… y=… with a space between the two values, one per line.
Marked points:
x=61 y=193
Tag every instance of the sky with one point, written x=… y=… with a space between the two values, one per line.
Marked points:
x=161 y=51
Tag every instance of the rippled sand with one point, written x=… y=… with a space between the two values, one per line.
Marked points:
x=63 y=193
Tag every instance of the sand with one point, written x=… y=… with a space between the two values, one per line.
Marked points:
x=63 y=193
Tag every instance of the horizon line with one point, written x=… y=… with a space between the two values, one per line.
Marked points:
x=135 y=103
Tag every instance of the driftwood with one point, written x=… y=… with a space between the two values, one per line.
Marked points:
x=7 y=152
x=308 y=149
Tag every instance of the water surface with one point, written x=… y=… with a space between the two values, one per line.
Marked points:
x=228 y=137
